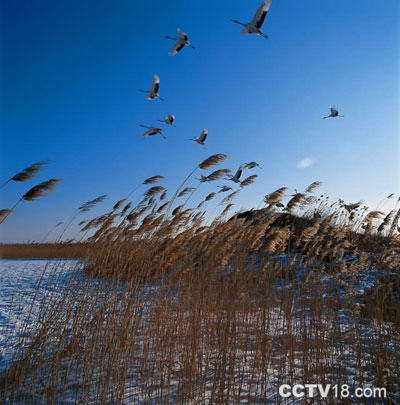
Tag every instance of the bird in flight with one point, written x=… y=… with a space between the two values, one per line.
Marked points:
x=152 y=131
x=251 y=165
x=169 y=120
x=153 y=92
x=202 y=137
x=254 y=26
x=334 y=113
x=181 y=41
x=236 y=177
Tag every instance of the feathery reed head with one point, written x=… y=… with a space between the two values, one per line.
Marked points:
x=314 y=185
x=40 y=190
x=248 y=180
x=118 y=204
x=229 y=198
x=185 y=191
x=153 y=179
x=294 y=201
x=153 y=191
x=29 y=172
x=218 y=174
x=213 y=160
x=4 y=213
x=87 y=206
x=275 y=197
x=210 y=196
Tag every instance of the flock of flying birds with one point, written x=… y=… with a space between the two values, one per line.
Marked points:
x=182 y=41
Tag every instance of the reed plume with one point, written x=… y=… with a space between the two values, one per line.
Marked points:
x=126 y=208
x=213 y=161
x=153 y=179
x=210 y=196
x=4 y=213
x=395 y=221
x=295 y=201
x=163 y=207
x=311 y=188
x=177 y=210
x=27 y=173
x=118 y=204
x=248 y=180
x=154 y=191
x=185 y=191
x=229 y=198
x=40 y=190
x=386 y=221
x=87 y=206
x=351 y=207
x=275 y=197
x=218 y=174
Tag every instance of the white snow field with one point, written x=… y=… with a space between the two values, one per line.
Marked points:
x=23 y=282
x=45 y=282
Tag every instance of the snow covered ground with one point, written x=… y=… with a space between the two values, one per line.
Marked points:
x=23 y=282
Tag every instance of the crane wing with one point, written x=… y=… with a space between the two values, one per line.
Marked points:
x=156 y=84
x=238 y=173
x=179 y=45
x=261 y=13
x=203 y=135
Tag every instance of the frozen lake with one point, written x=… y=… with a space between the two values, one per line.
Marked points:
x=24 y=284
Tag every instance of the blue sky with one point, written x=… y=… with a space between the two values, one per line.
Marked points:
x=71 y=70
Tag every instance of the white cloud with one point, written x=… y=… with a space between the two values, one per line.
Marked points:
x=306 y=162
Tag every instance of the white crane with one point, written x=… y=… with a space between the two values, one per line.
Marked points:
x=236 y=177
x=254 y=26
x=251 y=165
x=152 y=131
x=169 y=120
x=153 y=92
x=202 y=137
x=334 y=113
x=181 y=41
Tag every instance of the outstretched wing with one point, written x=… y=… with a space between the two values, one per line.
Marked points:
x=259 y=18
x=179 y=45
x=156 y=84
x=203 y=135
x=238 y=173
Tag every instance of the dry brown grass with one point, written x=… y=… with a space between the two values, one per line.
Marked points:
x=175 y=310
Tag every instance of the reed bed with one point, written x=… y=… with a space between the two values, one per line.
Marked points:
x=177 y=309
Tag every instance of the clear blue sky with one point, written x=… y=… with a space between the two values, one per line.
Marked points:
x=71 y=70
